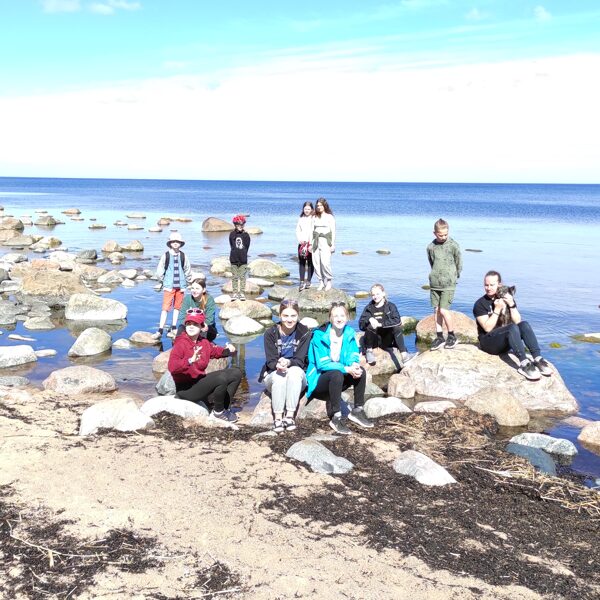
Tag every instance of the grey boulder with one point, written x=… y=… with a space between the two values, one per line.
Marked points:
x=91 y=341
x=319 y=458
x=422 y=468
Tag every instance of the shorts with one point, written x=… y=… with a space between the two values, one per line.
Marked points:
x=172 y=299
x=441 y=298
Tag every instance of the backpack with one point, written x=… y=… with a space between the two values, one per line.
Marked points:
x=168 y=260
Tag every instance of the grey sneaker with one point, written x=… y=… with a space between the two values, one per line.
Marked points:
x=370 y=356
x=529 y=371
x=543 y=367
x=357 y=415
x=301 y=286
x=226 y=415
x=451 y=342
x=338 y=425
x=437 y=343
x=306 y=284
x=406 y=357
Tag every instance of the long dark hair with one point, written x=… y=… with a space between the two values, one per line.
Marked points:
x=312 y=208
x=326 y=207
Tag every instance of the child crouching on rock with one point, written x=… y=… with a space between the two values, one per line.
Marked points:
x=381 y=322
x=189 y=359
x=286 y=349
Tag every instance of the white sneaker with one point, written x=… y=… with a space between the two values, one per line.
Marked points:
x=321 y=287
x=328 y=285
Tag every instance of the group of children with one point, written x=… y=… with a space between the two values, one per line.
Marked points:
x=326 y=361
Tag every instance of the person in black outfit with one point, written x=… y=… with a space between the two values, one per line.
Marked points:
x=239 y=242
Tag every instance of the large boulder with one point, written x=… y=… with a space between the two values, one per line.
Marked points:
x=465 y=329
x=165 y=386
x=590 y=435
x=262 y=267
x=247 y=308
x=242 y=326
x=11 y=224
x=52 y=287
x=459 y=373
x=111 y=246
x=262 y=415
x=74 y=381
x=319 y=458
x=90 y=342
x=12 y=356
x=501 y=405
x=19 y=241
x=311 y=300
x=215 y=224
x=87 y=307
x=220 y=265
x=380 y=407
x=422 y=468
x=121 y=414
x=46 y=221
x=174 y=406
x=133 y=246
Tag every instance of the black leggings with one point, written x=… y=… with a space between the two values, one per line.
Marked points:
x=306 y=266
x=515 y=337
x=331 y=384
x=385 y=337
x=216 y=389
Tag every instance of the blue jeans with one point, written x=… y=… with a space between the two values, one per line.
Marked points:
x=511 y=337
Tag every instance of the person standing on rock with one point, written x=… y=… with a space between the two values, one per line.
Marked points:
x=286 y=350
x=304 y=235
x=188 y=361
x=323 y=243
x=333 y=366
x=239 y=242
x=174 y=274
x=518 y=335
x=199 y=298
x=381 y=322
x=445 y=261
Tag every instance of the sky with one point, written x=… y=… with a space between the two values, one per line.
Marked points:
x=327 y=90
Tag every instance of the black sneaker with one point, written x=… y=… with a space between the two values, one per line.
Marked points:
x=529 y=371
x=357 y=415
x=450 y=342
x=338 y=425
x=543 y=367
x=437 y=343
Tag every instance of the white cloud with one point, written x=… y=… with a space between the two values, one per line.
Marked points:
x=512 y=121
x=111 y=6
x=475 y=15
x=541 y=14
x=56 y=6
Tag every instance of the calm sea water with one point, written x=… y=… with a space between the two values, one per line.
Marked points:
x=540 y=237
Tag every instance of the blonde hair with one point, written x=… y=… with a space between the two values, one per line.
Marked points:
x=440 y=224
x=335 y=305
x=380 y=286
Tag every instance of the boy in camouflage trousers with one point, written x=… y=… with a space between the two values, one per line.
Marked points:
x=446 y=264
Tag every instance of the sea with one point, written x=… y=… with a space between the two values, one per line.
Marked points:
x=542 y=238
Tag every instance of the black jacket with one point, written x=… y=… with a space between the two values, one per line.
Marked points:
x=391 y=316
x=272 y=349
x=239 y=242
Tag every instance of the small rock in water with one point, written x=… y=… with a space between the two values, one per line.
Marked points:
x=349 y=252
x=45 y=353
x=21 y=338
x=472 y=250
x=143 y=337
x=361 y=294
x=593 y=338
x=122 y=344
x=383 y=251
x=555 y=345
x=426 y=287
x=136 y=216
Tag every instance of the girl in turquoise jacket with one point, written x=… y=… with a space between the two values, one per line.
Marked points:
x=333 y=366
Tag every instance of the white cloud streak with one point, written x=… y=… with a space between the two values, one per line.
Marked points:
x=58 y=6
x=515 y=121
x=541 y=14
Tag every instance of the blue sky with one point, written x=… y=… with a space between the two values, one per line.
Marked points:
x=374 y=65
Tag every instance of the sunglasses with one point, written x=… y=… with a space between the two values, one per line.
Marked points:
x=336 y=304
x=194 y=311
x=292 y=303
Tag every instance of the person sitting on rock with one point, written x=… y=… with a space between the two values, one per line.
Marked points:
x=381 y=322
x=333 y=366
x=495 y=338
x=199 y=298
x=188 y=361
x=286 y=349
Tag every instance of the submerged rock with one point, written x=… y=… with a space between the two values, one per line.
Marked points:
x=538 y=458
x=545 y=442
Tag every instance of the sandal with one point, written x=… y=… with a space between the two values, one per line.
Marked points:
x=278 y=426
x=289 y=423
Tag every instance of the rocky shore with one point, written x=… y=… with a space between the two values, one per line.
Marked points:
x=430 y=504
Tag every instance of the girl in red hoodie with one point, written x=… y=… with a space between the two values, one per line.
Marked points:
x=189 y=358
